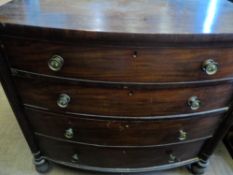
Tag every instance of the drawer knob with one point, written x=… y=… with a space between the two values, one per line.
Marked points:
x=69 y=133
x=172 y=158
x=183 y=135
x=63 y=100
x=210 y=67
x=55 y=63
x=75 y=158
x=194 y=103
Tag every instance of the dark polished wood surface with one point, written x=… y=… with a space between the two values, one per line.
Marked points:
x=117 y=157
x=130 y=68
x=120 y=64
x=122 y=132
x=121 y=102
x=149 y=16
x=120 y=21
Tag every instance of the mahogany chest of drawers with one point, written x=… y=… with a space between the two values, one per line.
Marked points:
x=119 y=86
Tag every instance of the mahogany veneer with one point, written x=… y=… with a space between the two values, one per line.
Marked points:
x=120 y=64
x=123 y=158
x=122 y=102
x=122 y=132
x=119 y=86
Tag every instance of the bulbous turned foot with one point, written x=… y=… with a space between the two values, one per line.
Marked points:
x=198 y=167
x=42 y=166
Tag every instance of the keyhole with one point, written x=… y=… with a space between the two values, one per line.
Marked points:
x=135 y=54
x=130 y=93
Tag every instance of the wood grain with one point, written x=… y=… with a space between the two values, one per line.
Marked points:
x=121 y=16
x=121 y=132
x=124 y=64
x=18 y=162
x=116 y=157
x=121 y=22
x=121 y=102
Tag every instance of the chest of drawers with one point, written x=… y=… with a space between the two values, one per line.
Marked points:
x=119 y=86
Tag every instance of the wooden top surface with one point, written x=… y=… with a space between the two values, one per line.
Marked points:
x=123 y=16
x=134 y=22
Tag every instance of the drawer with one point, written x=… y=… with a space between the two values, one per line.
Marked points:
x=112 y=157
x=120 y=64
x=121 y=102
x=122 y=132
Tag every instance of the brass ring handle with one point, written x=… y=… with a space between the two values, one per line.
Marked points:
x=75 y=158
x=172 y=158
x=55 y=63
x=69 y=133
x=194 y=103
x=63 y=100
x=210 y=67
x=182 y=135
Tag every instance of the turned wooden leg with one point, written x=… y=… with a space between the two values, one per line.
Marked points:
x=41 y=164
x=199 y=167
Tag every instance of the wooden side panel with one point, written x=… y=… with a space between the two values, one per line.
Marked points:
x=14 y=100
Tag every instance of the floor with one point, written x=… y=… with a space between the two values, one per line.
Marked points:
x=4 y=1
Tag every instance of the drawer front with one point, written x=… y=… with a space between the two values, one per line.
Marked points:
x=121 y=102
x=122 y=132
x=120 y=64
x=109 y=157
